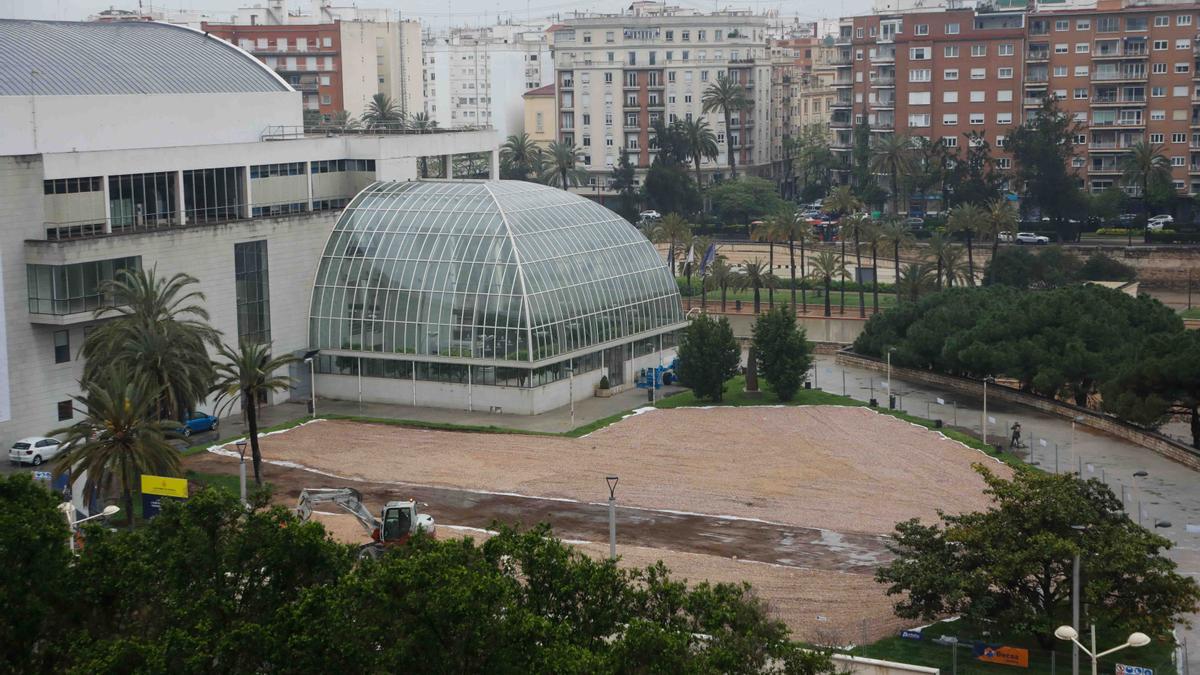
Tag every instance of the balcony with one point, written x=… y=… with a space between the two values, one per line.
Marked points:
x=884 y=56
x=1105 y=168
x=1039 y=79
x=883 y=82
x=1118 y=52
x=841 y=102
x=842 y=82
x=1038 y=55
x=841 y=60
x=1127 y=122
x=888 y=102
x=1118 y=100
x=1119 y=75
x=1111 y=146
x=838 y=122
x=1032 y=101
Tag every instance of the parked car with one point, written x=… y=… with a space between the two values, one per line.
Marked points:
x=1031 y=238
x=1006 y=237
x=34 y=450
x=1159 y=222
x=197 y=422
x=650 y=215
x=914 y=222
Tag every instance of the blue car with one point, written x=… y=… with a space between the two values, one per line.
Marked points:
x=197 y=422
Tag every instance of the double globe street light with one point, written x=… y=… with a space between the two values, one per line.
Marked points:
x=1069 y=633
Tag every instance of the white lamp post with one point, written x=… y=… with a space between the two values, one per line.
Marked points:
x=986 y=380
x=68 y=510
x=571 y=390
x=1069 y=633
x=241 y=446
x=311 y=359
x=891 y=405
x=612 y=516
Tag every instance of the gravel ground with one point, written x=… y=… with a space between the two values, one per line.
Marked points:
x=827 y=607
x=844 y=469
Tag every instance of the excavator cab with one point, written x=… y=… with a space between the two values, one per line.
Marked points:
x=397 y=523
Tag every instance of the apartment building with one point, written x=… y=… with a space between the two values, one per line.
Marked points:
x=791 y=70
x=476 y=77
x=338 y=58
x=201 y=168
x=938 y=75
x=541 y=114
x=619 y=74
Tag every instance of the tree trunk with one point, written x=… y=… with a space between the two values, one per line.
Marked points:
x=828 y=309
x=729 y=144
x=895 y=193
x=723 y=291
x=792 y=266
x=874 y=279
x=757 y=303
x=939 y=273
x=771 y=265
x=696 y=159
x=970 y=263
x=252 y=423
x=862 y=305
x=803 y=289
x=843 y=279
x=896 y=262
x=128 y=499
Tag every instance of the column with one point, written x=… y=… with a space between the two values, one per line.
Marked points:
x=494 y=171
x=448 y=166
x=247 y=196
x=107 y=206
x=308 y=182
x=180 y=203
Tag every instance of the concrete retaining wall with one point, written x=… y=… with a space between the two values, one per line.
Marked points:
x=1160 y=444
x=859 y=665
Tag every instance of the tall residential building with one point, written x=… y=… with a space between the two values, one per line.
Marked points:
x=541 y=115
x=339 y=58
x=199 y=168
x=619 y=74
x=475 y=77
x=791 y=69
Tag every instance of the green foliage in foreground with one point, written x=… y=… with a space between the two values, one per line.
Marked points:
x=708 y=356
x=209 y=587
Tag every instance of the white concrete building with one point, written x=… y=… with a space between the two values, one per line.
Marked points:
x=137 y=143
x=618 y=74
x=475 y=77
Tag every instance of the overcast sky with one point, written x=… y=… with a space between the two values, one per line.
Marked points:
x=438 y=13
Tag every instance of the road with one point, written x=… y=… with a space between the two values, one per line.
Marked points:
x=1168 y=495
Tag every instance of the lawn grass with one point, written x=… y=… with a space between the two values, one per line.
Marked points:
x=815 y=298
x=1156 y=655
x=197 y=449
x=1193 y=313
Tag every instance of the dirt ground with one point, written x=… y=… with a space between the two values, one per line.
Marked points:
x=844 y=469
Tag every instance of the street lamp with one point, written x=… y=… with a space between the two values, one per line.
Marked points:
x=1069 y=633
x=241 y=446
x=68 y=510
x=1077 y=418
x=1137 y=494
x=310 y=358
x=612 y=516
x=891 y=399
x=571 y=386
x=1075 y=600
x=986 y=380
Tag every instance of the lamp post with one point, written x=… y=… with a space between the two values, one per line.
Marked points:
x=891 y=398
x=1137 y=494
x=241 y=446
x=1069 y=633
x=68 y=510
x=612 y=516
x=986 y=380
x=310 y=358
x=571 y=389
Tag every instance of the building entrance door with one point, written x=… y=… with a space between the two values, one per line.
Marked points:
x=614 y=360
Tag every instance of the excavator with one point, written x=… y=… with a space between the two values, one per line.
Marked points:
x=396 y=523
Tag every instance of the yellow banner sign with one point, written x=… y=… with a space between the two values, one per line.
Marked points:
x=1009 y=656
x=164 y=487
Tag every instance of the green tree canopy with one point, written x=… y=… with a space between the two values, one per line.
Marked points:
x=625 y=184
x=1011 y=565
x=1042 y=148
x=667 y=189
x=708 y=356
x=743 y=200
x=1160 y=381
x=783 y=354
x=1048 y=267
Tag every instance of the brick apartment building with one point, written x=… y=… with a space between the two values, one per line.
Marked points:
x=1126 y=74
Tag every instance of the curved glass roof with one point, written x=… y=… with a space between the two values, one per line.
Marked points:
x=505 y=271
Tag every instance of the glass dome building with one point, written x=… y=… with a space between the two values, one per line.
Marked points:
x=486 y=295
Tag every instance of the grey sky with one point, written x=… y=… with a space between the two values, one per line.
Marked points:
x=458 y=12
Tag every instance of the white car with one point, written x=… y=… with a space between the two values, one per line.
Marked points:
x=1031 y=238
x=650 y=215
x=34 y=450
x=1159 y=222
x=1005 y=236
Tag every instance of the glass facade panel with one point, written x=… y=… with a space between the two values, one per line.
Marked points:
x=253 y=291
x=69 y=289
x=498 y=270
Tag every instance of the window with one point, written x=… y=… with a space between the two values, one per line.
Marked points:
x=1082 y=48
x=950 y=141
x=1161 y=21
x=1178 y=138
x=62 y=346
x=978 y=50
x=1138 y=23
x=1004 y=73
x=1083 y=24
x=610 y=36
x=976 y=118
x=951 y=29
x=1004 y=95
x=919 y=75
x=918 y=53
x=949 y=119
x=978 y=97
x=950 y=74
x=918 y=98
x=1183 y=67
x=1062 y=24
x=1158 y=68
x=252 y=292
x=978 y=73
x=1081 y=71
x=1160 y=45
x=75 y=288
x=1060 y=71
x=1183 y=44
x=1080 y=94
x=1158 y=92
x=1108 y=24
x=918 y=120
x=1061 y=48
x=1180 y=90
x=950 y=51
x=65 y=411
x=921 y=29
x=1080 y=139
x=1003 y=163
x=1004 y=118
x=1183 y=20
x=949 y=97
x=1007 y=49
x=608 y=78
x=1158 y=115
x=1178 y=161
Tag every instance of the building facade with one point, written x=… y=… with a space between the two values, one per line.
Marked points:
x=619 y=74
x=541 y=115
x=475 y=77
x=189 y=176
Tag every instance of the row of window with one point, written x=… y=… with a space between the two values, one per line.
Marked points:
x=281 y=44
x=1107 y=24
x=79 y=287
x=952 y=51
x=334 y=165
x=702 y=35
x=61 y=186
x=497 y=376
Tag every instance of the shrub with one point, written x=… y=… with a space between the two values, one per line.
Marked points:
x=783 y=355
x=709 y=355
x=604 y=382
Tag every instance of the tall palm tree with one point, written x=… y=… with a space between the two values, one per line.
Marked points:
x=1144 y=165
x=1001 y=216
x=896 y=233
x=698 y=245
x=953 y=267
x=729 y=97
x=872 y=238
x=801 y=234
x=970 y=220
x=858 y=223
x=757 y=277
x=159 y=332
x=701 y=142
x=247 y=375
x=723 y=277
x=785 y=226
x=383 y=112
x=562 y=168
x=343 y=120
x=826 y=266
x=939 y=244
x=893 y=154
x=768 y=232
x=674 y=230
x=842 y=201
x=521 y=155
x=422 y=122
x=913 y=280
x=120 y=435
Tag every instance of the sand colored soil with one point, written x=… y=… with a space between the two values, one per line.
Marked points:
x=845 y=469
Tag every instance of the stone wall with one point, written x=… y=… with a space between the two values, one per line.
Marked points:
x=1158 y=443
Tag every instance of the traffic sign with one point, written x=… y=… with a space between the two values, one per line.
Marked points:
x=1123 y=669
x=42 y=475
x=910 y=634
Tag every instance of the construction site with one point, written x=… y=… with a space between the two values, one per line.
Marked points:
x=797 y=501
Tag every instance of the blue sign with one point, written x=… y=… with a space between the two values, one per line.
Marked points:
x=910 y=634
x=1123 y=669
x=152 y=504
x=42 y=475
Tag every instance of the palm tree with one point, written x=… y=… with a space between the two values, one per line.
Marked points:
x=698 y=245
x=896 y=233
x=912 y=281
x=872 y=238
x=842 y=201
x=893 y=155
x=858 y=223
x=723 y=277
x=826 y=266
x=521 y=154
x=939 y=244
x=421 y=122
x=701 y=142
x=1144 y=165
x=757 y=277
x=674 y=230
x=729 y=97
x=801 y=234
x=119 y=435
x=383 y=112
x=562 y=170
x=970 y=220
x=248 y=374
x=952 y=266
x=1000 y=217
x=787 y=225
x=158 y=332
x=768 y=232
x=343 y=120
